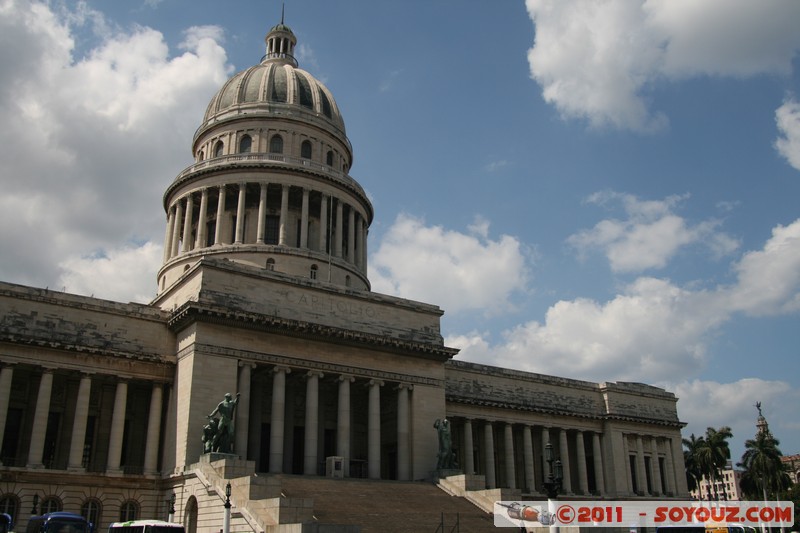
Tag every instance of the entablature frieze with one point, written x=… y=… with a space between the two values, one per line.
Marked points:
x=298 y=363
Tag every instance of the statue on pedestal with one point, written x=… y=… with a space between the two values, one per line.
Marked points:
x=218 y=435
x=446 y=459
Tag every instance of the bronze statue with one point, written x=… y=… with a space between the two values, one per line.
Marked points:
x=446 y=459
x=223 y=436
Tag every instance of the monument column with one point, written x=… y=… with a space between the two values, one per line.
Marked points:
x=277 y=419
x=488 y=444
x=563 y=450
x=75 y=461
x=6 y=376
x=469 y=453
x=343 y=422
x=312 y=423
x=117 y=428
x=153 y=430
x=403 y=434
x=527 y=449
x=40 y=415
x=374 y=430
x=598 y=464
x=511 y=474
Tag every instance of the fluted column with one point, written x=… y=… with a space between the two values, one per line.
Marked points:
x=641 y=476
x=240 y=205
x=6 y=376
x=337 y=245
x=176 y=233
x=598 y=464
x=323 y=223
x=304 y=220
x=243 y=410
x=312 y=423
x=284 y=219
x=374 y=430
x=75 y=461
x=563 y=451
x=220 y=215
x=187 y=223
x=343 y=422
x=262 y=214
x=580 y=447
x=153 y=429
x=403 y=434
x=202 y=227
x=277 y=419
x=511 y=474
x=117 y=428
x=469 y=448
x=168 y=234
x=488 y=444
x=40 y=415
x=351 y=235
x=527 y=449
x=654 y=467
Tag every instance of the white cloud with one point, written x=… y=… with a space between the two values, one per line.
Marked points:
x=787 y=117
x=95 y=140
x=598 y=60
x=650 y=236
x=458 y=271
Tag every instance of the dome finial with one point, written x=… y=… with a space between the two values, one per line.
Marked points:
x=283 y=10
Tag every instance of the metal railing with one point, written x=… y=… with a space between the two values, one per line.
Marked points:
x=442 y=528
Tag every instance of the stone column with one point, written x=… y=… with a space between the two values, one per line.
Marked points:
x=176 y=233
x=374 y=430
x=488 y=444
x=583 y=479
x=669 y=477
x=187 y=223
x=240 y=210
x=364 y=249
x=75 y=461
x=351 y=235
x=262 y=214
x=40 y=415
x=358 y=259
x=403 y=434
x=545 y=442
x=220 y=215
x=168 y=234
x=337 y=244
x=242 y=411
x=117 y=429
x=654 y=467
x=323 y=223
x=277 y=419
x=527 y=449
x=304 y=220
x=312 y=423
x=511 y=474
x=469 y=453
x=284 y=220
x=6 y=375
x=627 y=465
x=343 y=422
x=202 y=227
x=153 y=430
x=641 y=476
x=598 y=464
x=563 y=450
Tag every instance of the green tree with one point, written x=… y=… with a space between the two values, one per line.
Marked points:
x=764 y=475
x=691 y=461
x=713 y=455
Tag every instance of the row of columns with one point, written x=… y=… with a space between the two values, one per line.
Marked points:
x=178 y=237
x=343 y=422
x=643 y=471
x=78 y=435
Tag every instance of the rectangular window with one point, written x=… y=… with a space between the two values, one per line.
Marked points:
x=272 y=229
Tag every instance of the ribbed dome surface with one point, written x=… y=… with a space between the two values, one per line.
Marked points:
x=268 y=87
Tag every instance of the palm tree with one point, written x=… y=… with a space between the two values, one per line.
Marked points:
x=714 y=455
x=764 y=474
x=690 y=460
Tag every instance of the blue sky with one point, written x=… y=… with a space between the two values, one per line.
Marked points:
x=603 y=190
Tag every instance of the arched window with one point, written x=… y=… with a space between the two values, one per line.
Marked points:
x=276 y=144
x=270 y=264
x=190 y=515
x=9 y=504
x=347 y=281
x=218 y=149
x=329 y=158
x=91 y=511
x=313 y=273
x=129 y=511
x=305 y=150
x=245 y=143
x=51 y=504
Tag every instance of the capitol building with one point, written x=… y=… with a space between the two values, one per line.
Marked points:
x=264 y=291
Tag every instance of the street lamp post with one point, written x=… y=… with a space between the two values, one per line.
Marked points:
x=552 y=483
x=171 y=502
x=226 y=522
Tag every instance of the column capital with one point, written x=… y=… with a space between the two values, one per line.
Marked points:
x=315 y=373
x=378 y=382
x=401 y=386
x=281 y=368
x=243 y=364
x=346 y=377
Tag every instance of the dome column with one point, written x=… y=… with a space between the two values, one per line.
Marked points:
x=240 y=214
x=202 y=229
x=304 y=220
x=337 y=248
x=187 y=224
x=220 y=214
x=262 y=214
x=176 y=234
x=168 y=234
x=358 y=259
x=284 y=215
x=351 y=235
x=323 y=223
